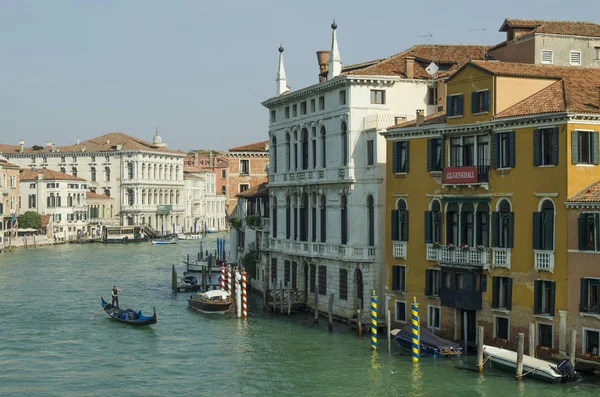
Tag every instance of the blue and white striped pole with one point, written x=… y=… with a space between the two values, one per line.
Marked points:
x=374 y=321
x=415 y=330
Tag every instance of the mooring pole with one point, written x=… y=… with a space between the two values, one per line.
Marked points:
x=373 y=321
x=465 y=334
x=222 y=276
x=389 y=336
x=480 y=348
x=415 y=331
x=531 y=342
x=244 y=296
x=238 y=294
x=572 y=347
x=289 y=298
x=520 y=347
x=330 y=312
x=229 y=281
x=173 y=278
x=316 y=306
x=359 y=322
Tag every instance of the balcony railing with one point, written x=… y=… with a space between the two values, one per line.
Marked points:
x=333 y=251
x=456 y=255
x=399 y=249
x=544 y=260
x=501 y=257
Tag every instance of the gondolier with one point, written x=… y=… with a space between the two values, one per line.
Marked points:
x=115 y=296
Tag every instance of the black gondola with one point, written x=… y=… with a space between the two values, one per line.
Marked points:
x=128 y=316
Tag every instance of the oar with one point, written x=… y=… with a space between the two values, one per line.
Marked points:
x=93 y=318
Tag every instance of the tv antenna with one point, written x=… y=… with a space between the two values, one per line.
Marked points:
x=428 y=35
x=482 y=30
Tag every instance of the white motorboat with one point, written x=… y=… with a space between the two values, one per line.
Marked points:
x=506 y=360
x=189 y=236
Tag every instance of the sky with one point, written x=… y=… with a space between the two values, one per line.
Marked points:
x=199 y=70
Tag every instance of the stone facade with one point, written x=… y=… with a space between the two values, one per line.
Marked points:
x=247 y=168
x=203 y=205
x=9 y=196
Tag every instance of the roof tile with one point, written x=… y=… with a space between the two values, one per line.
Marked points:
x=47 y=175
x=590 y=194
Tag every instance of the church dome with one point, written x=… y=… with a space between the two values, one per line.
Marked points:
x=157 y=139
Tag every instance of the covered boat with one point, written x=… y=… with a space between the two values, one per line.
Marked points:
x=213 y=301
x=430 y=344
x=506 y=360
x=189 y=236
x=128 y=316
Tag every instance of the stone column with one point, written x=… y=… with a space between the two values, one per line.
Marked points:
x=562 y=332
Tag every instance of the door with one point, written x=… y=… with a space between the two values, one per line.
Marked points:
x=359 y=290
x=468 y=319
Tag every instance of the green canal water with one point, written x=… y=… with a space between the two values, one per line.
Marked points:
x=49 y=346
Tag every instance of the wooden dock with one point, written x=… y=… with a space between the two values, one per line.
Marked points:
x=286 y=301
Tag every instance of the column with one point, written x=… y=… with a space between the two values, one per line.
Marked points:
x=562 y=332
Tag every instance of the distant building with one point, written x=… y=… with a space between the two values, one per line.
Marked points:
x=214 y=161
x=9 y=196
x=101 y=212
x=204 y=206
x=247 y=168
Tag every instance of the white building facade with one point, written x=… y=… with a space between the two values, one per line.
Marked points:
x=203 y=206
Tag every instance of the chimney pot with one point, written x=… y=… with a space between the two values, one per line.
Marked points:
x=323 y=59
x=21 y=145
x=399 y=119
x=410 y=67
x=420 y=116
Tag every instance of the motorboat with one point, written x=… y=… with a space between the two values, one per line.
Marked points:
x=213 y=301
x=170 y=240
x=430 y=344
x=189 y=236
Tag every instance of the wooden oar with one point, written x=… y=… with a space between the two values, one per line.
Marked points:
x=93 y=318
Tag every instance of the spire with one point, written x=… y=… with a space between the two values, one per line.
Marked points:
x=281 y=79
x=335 y=61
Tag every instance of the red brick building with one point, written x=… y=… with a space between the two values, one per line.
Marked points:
x=247 y=168
x=213 y=161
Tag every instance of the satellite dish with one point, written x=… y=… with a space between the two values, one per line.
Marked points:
x=432 y=68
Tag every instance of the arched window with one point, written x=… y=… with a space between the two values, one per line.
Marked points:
x=314 y=217
x=400 y=222
x=482 y=225
x=503 y=225
x=144 y=197
x=344 y=142
x=323 y=147
x=273 y=163
x=143 y=170
x=467 y=225
x=63 y=170
x=288 y=161
x=130 y=196
x=288 y=217
x=107 y=174
x=304 y=217
x=74 y=171
x=344 y=218
x=274 y=217
x=323 y=219
x=93 y=174
x=69 y=200
x=433 y=223
x=543 y=227
x=223 y=190
x=130 y=170
x=452 y=229
x=58 y=200
x=371 y=220
x=296 y=165
x=314 y=147
x=304 y=137
x=177 y=197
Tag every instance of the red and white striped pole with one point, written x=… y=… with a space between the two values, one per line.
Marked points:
x=222 y=277
x=229 y=280
x=244 y=298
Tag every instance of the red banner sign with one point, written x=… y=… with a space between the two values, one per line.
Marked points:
x=460 y=175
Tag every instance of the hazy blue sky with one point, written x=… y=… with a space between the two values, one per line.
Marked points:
x=199 y=69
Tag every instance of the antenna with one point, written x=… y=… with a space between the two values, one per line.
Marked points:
x=482 y=30
x=428 y=35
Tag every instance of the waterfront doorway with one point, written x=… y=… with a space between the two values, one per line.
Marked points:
x=359 y=290
x=468 y=319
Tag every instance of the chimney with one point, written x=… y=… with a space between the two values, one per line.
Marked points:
x=48 y=144
x=21 y=145
x=420 y=116
x=54 y=148
x=108 y=141
x=399 y=119
x=410 y=67
x=323 y=59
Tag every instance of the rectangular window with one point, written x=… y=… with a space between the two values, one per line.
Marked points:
x=501 y=328
x=589 y=301
x=506 y=151
x=435 y=155
x=378 y=97
x=286 y=272
x=432 y=93
x=274 y=272
x=223 y=174
x=313 y=277
x=584 y=147
x=273 y=116
x=545 y=335
x=321 y=103
x=434 y=314
x=544 y=297
x=400 y=157
x=591 y=340
x=480 y=101
x=460 y=281
x=312 y=105
x=433 y=282
x=322 y=280
x=342 y=97
x=244 y=187
x=399 y=278
x=370 y=152
x=287 y=112
x=400 y=311
x=454 y=105
x=502 y=293
x=589 y=231
x=575 y=58
x=303 y=108
x=244 y=167
x=343 y=284
x=294 y=275
x=547 y=56
x=545 y=150
x=294 y=110
x=32 y=185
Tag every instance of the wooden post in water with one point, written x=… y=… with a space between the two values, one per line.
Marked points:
x=204 y=277
x=359 y=323
x=466 y=336
x=289 y=297
x=389 y=336
x=281 y=297
x=531 y=342
x=480 y=349
x=572 y=347
x=265 y=292
x=330 y=312
x=316 y=306
x=520 y=347
x=274 y=291
x=173 y=278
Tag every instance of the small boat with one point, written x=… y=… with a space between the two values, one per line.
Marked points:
x=211 y=230
x=213 y=301
x=189 y=236
x=506 y=360
x=430 y=344
x=128 y=316
x=170 y=240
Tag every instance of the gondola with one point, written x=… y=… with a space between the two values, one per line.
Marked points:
x=128 y=316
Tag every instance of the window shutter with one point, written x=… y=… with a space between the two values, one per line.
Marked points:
x=509 y=293
x=428 y=281
x=474 y=102
x=511 y=149
x=495 y=150
x=449 y=106
x=483 y=285
x=463 y=228
x=395 y=226
x=595 y=148
x=495 y=229
x=486 y=101
x=403 y=278
x=582 y=232
x=430 y=154
x=469 y=278
x=549 y=226
x=449 y=237
x=439 y=280
x=395 y=278
x=511 y=230
x=537 y=297
x=395 y=157
x=574 y=147
x=555 y=146
x=537 y=147
x=597 y=229
x=428 y=224
x=459 y=106
x=537 y=230
x=551 y=300
x=442 y=153
x=407 y=153
x=496 y=292
x=405 y=227
x=583 y=296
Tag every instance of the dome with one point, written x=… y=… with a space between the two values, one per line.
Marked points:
x=157 y=139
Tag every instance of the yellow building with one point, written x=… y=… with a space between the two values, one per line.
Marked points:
x=485 y=184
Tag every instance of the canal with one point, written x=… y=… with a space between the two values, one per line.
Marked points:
x=49 y=346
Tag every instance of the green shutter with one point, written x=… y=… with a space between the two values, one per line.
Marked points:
x=537 y=297
x=548 y=244
x=428 y=281
x=555 y=146
x=574 y=147
x=597 y=229
x=583 y=296
x=511 y=230
x=486 y=101
x=395 y=157
x=551 y=300
x=395 y=278
x=430 y=155
x=496 y=292
x=395 y=228
x=495 y=150
x=582 y=220
x=595 y=153
x=483 y=285
x=509 y=293
x=428 y=225
x=459 y=106
x=407 y=158
x=449 y=106
x=475 y=102
x=442 y=153
x=537 y=230
x=495 y=229
x=511 y=149
x=537 y=147
x=404 y=226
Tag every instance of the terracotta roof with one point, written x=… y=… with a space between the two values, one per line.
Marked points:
x=567 y=28
x=435 y=118
x=251 y=147
x=588 y=195
x=104 y=143
x=47 y=175
x=261 y=190
x=395 y=65
x=549 y=100
x=6 y=164
x=92 y=195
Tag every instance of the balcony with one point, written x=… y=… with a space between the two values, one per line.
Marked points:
x=326 y=250
x=455 y=255
x=257 y=222
x=468 y=175
x=399 y=249
x=461 y=299
x=544 y=260
x=501 y=257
